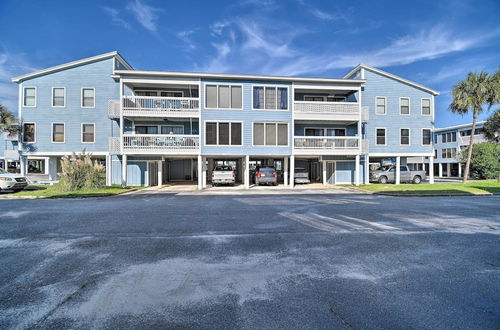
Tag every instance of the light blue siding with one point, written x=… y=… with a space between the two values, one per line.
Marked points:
x=378 y=85
x=344 y=172
x=97 y=75
x=136 y=173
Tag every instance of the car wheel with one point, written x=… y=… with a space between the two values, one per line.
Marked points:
x=382 y=179
x=417 y=179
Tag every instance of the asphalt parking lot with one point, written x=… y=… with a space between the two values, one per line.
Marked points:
x=251 y=260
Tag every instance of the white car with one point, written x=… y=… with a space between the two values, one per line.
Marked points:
x=12 y=181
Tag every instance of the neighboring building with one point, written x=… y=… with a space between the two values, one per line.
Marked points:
x=154 y=127
x=449 y=142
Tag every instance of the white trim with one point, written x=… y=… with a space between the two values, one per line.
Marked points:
x=217 y=101
x=459 y=126
x=81 y=135
x=271 y=86
x=70 y=65
x=385 y=136
x=422 y=137
x=409 y=136
x=22 y=133
x=52 y=98
x=217 y=133
x=276 y=123
x=385 y=102
x=409 y=106
x=24 y=94
x=387 y=74
x=402 y=154
x=52 y=132
x=422 y=106
x=81 y=97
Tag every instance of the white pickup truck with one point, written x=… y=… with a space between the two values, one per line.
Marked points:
x=223 y=174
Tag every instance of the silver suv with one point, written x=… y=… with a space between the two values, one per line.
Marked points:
x=12 y=181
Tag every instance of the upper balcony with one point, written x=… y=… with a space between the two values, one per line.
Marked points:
x=326 y=145
x=326 y=104
x=162 y=144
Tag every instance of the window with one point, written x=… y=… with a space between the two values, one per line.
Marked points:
x=381 y=105
x=380 y=136
x=88 y=97
x=270 y=98
x=29 y=97
x=58 y=97
x=58 y=132
x=404 y=106
x=324 y=132
x=435 y=153
x=449 y=137
x=224 y=97
x=270 y=134
x=426 y=137
x=223 y=133
x=88 y=133
x=142 y=129
x=404 y=136
x=426 y=107
x=172 y=129
x=448 y=153
x=443 y=153
x=29 y=130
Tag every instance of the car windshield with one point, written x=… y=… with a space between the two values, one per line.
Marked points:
x=2 y=171
x=223 y=168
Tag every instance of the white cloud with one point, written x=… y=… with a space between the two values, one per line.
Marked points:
x=145 y=14
x=116 y=18
x=185 y=36
x=218 y=27
x=219 y=64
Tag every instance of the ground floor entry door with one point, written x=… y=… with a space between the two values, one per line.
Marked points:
x=330 y=172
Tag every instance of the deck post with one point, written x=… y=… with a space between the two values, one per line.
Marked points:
x=440 y=166
x=367 y=169
x=160 y=173
x=398 y=170
x=292 y=171
x=323 y=164
x=124 y=171
x=246 y=168
x=204 y=171
x=357 y=170
x=459 y=170
x=431 y=169
x=200 y=172
x=109 y=175
x=285 y=172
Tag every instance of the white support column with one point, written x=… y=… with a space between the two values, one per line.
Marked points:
x=459 y=170
x=53 y=169
x=440 y=168
x=109 y=172
x=200 y=172
x=398 y=170
x=431 y=170
x=22 y=163
x=367 y=169
x=124 y=171
x=47 y=161
x=204 y=171
x=323 y=164
x=285 y=171
x=246 y=169
x=448 y=169
x=357 y=171
x=292 y=171
x=160 y=173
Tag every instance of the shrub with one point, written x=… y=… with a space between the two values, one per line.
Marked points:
x=485 y=160
x=80 y=172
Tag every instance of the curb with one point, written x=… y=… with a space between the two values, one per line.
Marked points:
x=64 y=197
x=434 y=195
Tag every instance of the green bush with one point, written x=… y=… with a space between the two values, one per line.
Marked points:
x=485 y=160
x=80 y=172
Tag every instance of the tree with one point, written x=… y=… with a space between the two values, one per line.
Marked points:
x=472 y=94
x=492 y=127
x=485 y=160
x=8 y=122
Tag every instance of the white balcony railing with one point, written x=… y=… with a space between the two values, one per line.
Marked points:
x=156 y=143
x=327 y=143
x=160 y=106
x=326 y=107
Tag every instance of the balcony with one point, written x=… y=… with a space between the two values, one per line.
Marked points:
x=345 y=111
x=156 y=144
x=155 y=106
x=327 y=145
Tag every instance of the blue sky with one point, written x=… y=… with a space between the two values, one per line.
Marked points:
x=434 y=43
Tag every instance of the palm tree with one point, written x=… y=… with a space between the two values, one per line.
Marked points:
x=8 y=122
x=471 y=94
x=492 y=127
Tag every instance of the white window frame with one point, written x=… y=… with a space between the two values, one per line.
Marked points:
x=325 y=130
x=409 y=136
x=217 y=94
x=386 y=105
x=276 y=123
x=422 y=106
x=24 y=94
x=274 y=86
x=81 y=104
x=217 y=134
x=52 y=98
x=22 y=136
x=385 y=139
x=409 y=106
x=422 y=137
x=52 y=132
x=81 y=127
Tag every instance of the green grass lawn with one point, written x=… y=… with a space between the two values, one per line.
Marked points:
x=472 y=188
x=56 y=192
